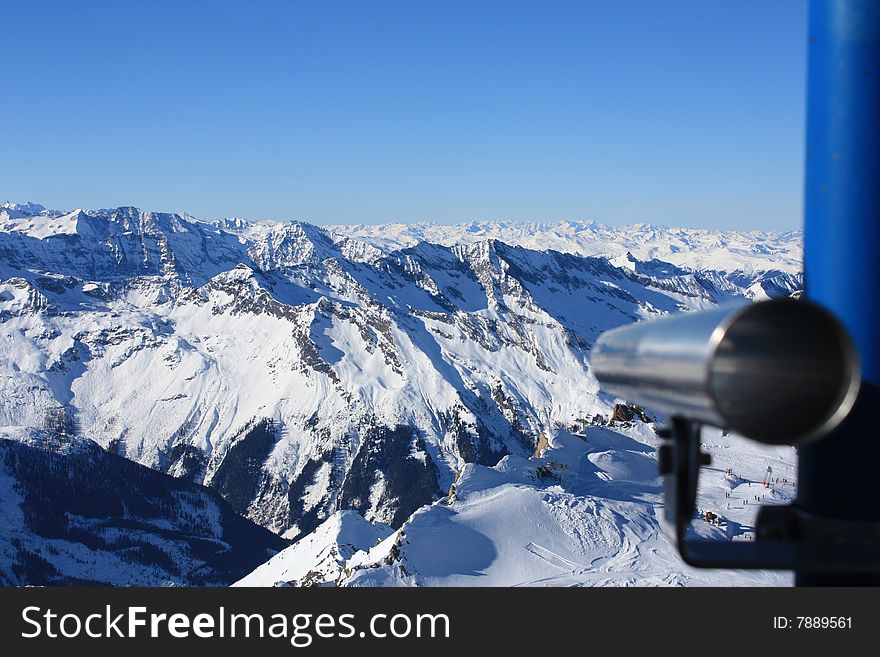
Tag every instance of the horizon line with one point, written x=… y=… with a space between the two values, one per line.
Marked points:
x=414 y=222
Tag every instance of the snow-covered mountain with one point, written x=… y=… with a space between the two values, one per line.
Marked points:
x=582 y=511
x=301 y=371
x=320 y=558
x=727 y=251
x=75 y=514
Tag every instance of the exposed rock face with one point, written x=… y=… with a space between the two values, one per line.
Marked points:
x=239 y=474
x=394 y=467
x=628 y=413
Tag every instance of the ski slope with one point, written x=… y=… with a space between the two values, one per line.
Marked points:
x=582 y=513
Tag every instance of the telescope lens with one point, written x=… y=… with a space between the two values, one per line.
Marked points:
x=783 y=372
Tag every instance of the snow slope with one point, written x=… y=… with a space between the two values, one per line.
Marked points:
x=583 y=513
x=318 y=558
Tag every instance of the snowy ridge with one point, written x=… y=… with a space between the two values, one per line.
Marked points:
x=318 y=558
x=696 y=249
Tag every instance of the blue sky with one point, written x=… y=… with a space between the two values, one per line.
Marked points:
x=682 y=113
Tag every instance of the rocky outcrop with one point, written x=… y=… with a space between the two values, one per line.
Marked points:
x=628 y=413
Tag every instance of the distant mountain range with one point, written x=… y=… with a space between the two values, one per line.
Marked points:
x=302 y=371
x=698 y=249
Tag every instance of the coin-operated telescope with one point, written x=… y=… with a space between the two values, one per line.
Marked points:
x=781 y=372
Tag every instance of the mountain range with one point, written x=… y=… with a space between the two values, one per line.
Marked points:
x=350 y=375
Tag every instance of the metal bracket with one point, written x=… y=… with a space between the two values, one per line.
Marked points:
x=787 y=537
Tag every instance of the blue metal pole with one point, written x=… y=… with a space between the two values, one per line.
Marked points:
x=837 y=476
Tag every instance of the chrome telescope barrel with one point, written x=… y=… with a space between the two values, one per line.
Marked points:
x=782 y=371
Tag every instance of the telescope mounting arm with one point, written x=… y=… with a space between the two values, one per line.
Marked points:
x=786 y=536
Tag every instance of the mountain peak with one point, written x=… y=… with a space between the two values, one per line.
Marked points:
x=317 y=558
x=25 y=209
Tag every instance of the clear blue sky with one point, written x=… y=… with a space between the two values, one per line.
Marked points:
x=683 y=113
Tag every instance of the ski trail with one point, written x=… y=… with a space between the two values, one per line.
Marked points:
x=552 y=557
